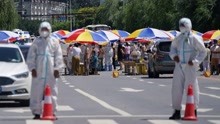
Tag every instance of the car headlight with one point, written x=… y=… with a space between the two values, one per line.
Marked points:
x=22 y=75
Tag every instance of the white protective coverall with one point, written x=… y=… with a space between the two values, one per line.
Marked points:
x=108 y=57
x=45 y=56
x=188 y=47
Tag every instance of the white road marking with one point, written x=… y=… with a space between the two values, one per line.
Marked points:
x=101 y=121
x=38 y=122
x=104 y=104
x=210 y=95
x=128 y=76
x=163 y=122
x=149 y=82
x=141 y=80
x=67 y=83
x=64 y=81
x=213 y=88
x=71 y=86
x=59 y=108
x=130 y=90
x=17 y=110
x=107 y=116
x=134 y=78
x=214 y=121
x=200 y=110
x=64 y=108
x=161 y=85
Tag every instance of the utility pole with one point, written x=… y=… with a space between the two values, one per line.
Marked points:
x=71 y=18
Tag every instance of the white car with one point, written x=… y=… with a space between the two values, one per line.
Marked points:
x=15 y=78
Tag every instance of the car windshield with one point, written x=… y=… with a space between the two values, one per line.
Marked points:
x=24 y=51
x=10 y=55
x=165 y=46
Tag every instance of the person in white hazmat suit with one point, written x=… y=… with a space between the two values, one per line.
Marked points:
x=108 y=57
x=188 y=51
x=44 y=60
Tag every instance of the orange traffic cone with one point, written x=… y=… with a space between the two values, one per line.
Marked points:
x=48 y=106
x=190 y=107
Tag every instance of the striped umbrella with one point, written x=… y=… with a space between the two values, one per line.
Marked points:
x=109 y=35
x=121 y=33
x=91 y=37
x=210 y=35
x=60 y=34
x=71 y=37
x=174 y=32
x=148 y=33
x=8 y=36
x=197 y=33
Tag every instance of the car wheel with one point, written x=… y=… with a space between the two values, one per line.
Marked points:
x=24 y=102
x=150 y=74
x=156 y=75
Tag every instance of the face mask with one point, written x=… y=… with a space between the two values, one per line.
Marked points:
x=183 y=29
x=44 y=34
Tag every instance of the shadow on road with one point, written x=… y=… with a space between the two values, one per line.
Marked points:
x=13 y=120
x=11 y=105
x=157 y=78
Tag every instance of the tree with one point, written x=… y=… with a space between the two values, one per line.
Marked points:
x=8 y=14
x=61 y=25
x=29 y=25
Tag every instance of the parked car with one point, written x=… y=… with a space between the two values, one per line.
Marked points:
x=159 y=59
x=15 y=78
x=24 y=50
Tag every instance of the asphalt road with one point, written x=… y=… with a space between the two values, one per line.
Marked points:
x=102 y=99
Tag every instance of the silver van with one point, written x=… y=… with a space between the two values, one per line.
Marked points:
x=159 y=59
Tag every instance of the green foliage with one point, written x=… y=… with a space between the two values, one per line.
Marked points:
x=8 y=15
x=29 y=25
x=61 y=25
x=162 y=14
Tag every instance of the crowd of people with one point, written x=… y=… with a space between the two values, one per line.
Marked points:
x=212 y=60
x=96 y=58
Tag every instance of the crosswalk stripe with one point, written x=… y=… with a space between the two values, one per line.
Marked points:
x=38 y=122
x=141 y=80
x=213 y=88
x=163 y=122
x=210 y=95
x=71 y=86
x=103 y=103
x=101 y=121
x=149 y=82
x=214 y=121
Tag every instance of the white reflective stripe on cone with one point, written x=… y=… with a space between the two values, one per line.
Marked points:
x=190 y=99
x=47 y=99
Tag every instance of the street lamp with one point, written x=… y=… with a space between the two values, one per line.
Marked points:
x=71 y=20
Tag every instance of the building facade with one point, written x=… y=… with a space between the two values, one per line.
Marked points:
x=41 y=9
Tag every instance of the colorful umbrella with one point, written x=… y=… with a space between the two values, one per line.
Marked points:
x=121 y=33
x=61 y=32
x=174 y=32
x=197 y=33
x=91 y=37
x=148 y=33
x=210 y=35
x=8 y=35
x=74 y=34
x=109 y=35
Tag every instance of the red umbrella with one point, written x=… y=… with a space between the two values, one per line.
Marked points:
x=210 y=35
